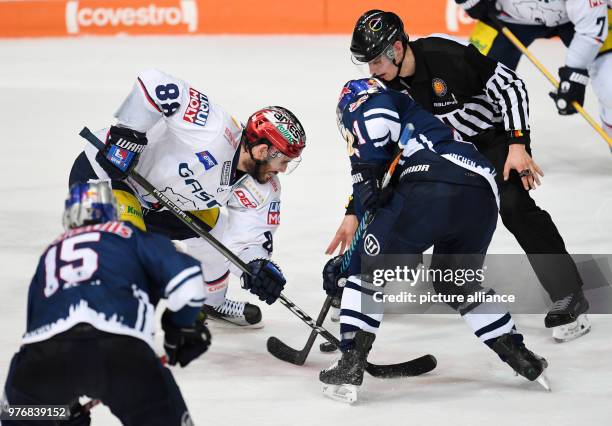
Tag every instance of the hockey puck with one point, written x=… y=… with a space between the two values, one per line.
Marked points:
x=327 y=347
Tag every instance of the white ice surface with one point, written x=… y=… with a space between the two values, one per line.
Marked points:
x=49 y=89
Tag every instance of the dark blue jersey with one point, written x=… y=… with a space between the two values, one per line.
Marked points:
x=111 y=276
x=373 y=125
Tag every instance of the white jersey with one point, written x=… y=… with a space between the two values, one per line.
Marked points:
x=253 y=217
x=192 y=149
x=246 y=229
x=589 y=17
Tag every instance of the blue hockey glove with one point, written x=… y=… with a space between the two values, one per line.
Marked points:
x=572 y=84
x=331 y=275
x=184 y=344
x=266 y=280
x=120 y=155
x=367 y=186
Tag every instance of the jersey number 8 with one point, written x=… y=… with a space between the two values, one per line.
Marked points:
x=168 y=92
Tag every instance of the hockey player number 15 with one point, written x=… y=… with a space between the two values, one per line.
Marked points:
x=82 y=263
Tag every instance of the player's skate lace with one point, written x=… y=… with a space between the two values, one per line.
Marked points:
x=562 y=304
x=231 y=308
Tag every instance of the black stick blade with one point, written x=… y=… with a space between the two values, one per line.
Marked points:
x=411 y=368
x=285 y=353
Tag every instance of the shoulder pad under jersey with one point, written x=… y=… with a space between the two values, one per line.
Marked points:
x=249 y=193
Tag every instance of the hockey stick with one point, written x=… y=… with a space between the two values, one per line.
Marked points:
x=382 y=370
x=520 y=46
x=286 y=353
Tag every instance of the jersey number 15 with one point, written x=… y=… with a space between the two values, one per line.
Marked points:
x=80 y=263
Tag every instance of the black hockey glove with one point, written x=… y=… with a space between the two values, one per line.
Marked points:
x=331 y=275
x=367 y=182
x=572 y=84
x=79 y=416
x=120 y=155
x=480 y=10
x=266 y=280
x=184 y=344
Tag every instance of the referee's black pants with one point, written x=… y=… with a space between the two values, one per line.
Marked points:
x=532 y=227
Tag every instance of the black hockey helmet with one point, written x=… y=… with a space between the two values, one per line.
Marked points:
x=374 y=31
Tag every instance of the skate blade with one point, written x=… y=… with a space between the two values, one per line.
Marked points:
x=224 y=323
x=543 y=380
x=574 y=330
x=342 y=393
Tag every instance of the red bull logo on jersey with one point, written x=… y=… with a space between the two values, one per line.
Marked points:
x=198 y=108
x=274 y=213
x=358 y=102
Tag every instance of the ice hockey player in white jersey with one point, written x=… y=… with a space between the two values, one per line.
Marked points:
x=201 y=158
x=582 y=25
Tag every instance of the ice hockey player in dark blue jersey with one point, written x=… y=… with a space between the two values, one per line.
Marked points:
x=443 y=194
x=91 y=317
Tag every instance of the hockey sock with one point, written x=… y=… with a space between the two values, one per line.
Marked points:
x=352 y=315
x=488 y=321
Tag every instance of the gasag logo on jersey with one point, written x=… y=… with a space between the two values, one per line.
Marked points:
x=198 y=108
x=274 y=213
x=207 y=159
x=195 y=186
x=133 y=16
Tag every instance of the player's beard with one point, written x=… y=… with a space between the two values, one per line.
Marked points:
x=257 y=169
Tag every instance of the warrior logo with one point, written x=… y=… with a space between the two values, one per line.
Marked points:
x=371 y=245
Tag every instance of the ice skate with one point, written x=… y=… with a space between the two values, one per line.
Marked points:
x=241 y=314
x=568 y=319
x=342 y=379
x=512 y=350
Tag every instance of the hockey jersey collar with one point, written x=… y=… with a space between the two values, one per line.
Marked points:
x=234 y=175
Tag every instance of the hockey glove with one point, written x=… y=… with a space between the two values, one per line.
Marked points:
x=184 y=344
x=120 y=155
x=481 y=9
x=79 y=416
x=367 y=186
x=266 y=280
x=571 y=88
x=331 y=275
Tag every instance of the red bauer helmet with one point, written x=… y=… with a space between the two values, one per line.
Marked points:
x=278 y=127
